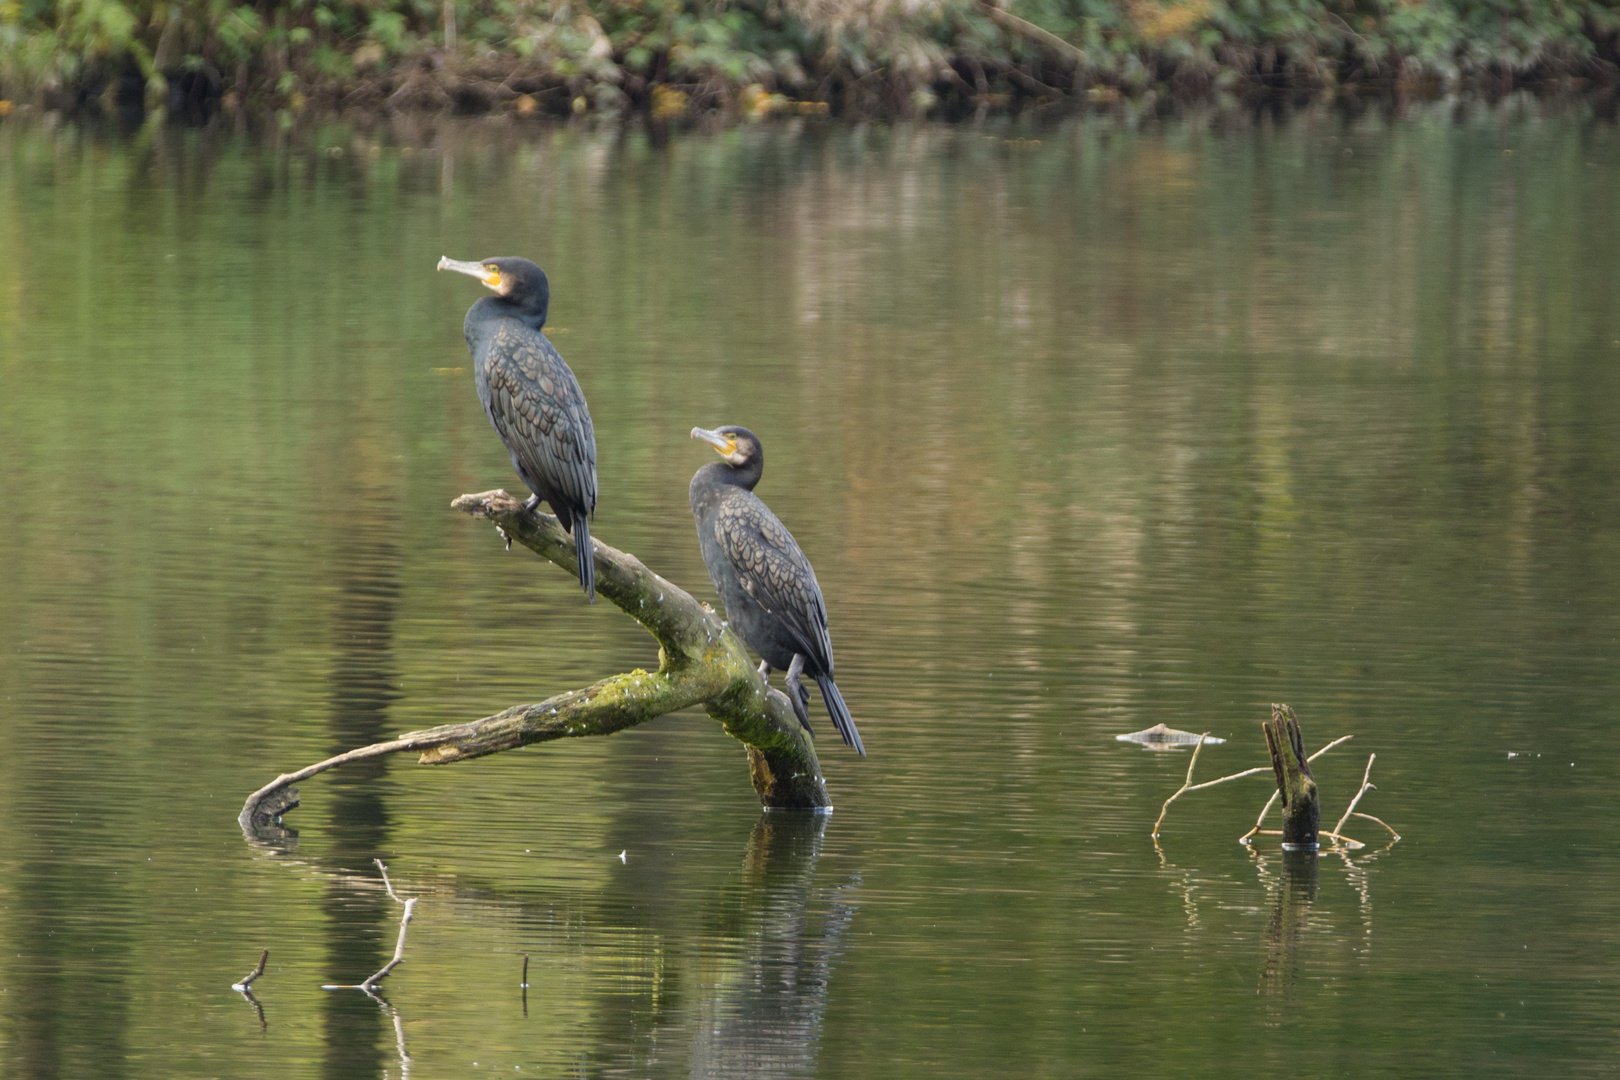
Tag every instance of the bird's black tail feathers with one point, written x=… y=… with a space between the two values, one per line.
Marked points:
x=839 y=712
x=586 y=554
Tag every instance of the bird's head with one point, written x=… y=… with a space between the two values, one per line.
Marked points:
x=737 y=445
x=515 y=280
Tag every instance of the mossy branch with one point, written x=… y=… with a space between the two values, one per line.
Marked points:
x=701 y=662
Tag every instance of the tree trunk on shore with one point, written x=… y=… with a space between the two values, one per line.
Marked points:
x=701 y=662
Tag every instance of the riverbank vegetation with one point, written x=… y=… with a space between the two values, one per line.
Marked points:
x=749 y=58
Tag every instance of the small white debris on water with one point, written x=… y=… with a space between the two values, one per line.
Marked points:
x=623 y=856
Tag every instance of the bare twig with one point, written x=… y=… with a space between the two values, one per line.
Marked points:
x=247 y=981
x=389 y=885
x=1350 y=811
x=1329 y=746
x=1385 y=824
x=1257 y=830
x=1188 y=785
x=1366 y=786
x=399 y=946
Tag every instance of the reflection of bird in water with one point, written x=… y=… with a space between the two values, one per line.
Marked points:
x=765 y=1016
x=532 y=397
x=767 y=585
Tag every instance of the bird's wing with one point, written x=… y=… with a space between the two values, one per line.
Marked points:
x=775 y=573
x=539 y=410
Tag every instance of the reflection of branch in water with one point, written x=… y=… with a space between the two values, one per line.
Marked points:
x=1294 y=889
x=1295 y=892
x=399 y=1034
x=1186 y=886
x=764 y=1020
x=247 y=981
x=251 y=1000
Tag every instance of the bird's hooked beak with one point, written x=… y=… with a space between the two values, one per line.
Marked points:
x=724 y=445
x=486 y=274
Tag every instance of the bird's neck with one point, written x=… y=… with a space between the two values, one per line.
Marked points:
x=530 y=313
x=721 y=473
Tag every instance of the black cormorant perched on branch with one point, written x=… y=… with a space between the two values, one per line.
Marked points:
x=532 y=397
x=767 y=585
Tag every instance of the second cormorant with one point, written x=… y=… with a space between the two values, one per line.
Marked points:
x=767 y=585
x=532 y=397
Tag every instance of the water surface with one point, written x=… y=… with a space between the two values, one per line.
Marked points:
x=1085 y=428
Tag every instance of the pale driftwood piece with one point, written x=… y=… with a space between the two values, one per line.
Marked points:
x=369 y=985
x=247 y=981
x=399 y=948
x=1366 y=786
x=388 y=885
x=701 y=662
x=1337 y=835
x=1187 y=785
x=1394 y=836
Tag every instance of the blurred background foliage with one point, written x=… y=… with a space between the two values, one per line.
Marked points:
x=752 y=57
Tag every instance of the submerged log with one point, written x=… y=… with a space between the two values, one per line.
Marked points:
x=1300 y=809
x=700 y=662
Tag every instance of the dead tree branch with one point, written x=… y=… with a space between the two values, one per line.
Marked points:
x=1187 y=785
x=701 y=662
x=1366 y=786
x=247 y=980
x=1337 y=835
x=370 y=984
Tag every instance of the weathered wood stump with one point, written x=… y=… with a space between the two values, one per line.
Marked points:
x=1301 y=811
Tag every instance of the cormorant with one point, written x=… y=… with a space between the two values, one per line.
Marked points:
x=767 y=585
x=532 y=397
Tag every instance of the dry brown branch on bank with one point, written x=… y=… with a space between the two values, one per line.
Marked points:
x=701 y=662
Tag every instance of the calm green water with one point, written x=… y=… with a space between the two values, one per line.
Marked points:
x=1083 y=435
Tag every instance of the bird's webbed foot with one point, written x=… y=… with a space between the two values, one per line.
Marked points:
x=532 y=504
x=797 y=694
x=764 y=669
